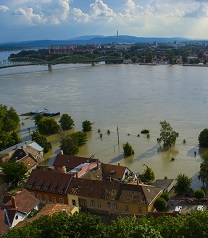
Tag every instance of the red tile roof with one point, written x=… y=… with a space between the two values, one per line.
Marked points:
x=24 y=201
x=48 y=181
x=3 y=223
x=48 y=210
x=70 y=161
x=114 y=171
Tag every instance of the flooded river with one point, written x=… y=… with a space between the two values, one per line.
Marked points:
x=130 y=97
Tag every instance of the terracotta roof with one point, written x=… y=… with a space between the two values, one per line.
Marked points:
x=18 y=154
x=48 y=181
x=114 y=171
x=24 y=201
x=48 y=210
x=31 y=150
x=95 y=174
x=70 y=161
x=29 y=162
x=137 y=194
x=3 y=223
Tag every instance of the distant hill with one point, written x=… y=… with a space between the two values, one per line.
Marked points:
x=89 y=39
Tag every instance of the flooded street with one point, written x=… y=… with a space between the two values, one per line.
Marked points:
x=130 y=97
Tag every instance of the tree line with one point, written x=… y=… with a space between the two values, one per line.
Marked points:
x=83 y=225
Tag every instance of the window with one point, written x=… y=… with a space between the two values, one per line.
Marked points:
x=73 y=202
x=99 y=204
x=54 y=199
x=61 y=200
x=92 y=203
x=46 y=199
x=16 y=217
x=115 y=206
x=139 y=209
x=127 y=207
x=108 y=205
x=32 y=193
x=39 y=197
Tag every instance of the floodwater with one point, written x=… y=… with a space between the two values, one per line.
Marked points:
x=130 y=97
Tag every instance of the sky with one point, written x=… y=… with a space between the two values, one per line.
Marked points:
x=23 y=20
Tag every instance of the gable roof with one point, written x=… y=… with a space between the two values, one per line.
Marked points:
x=23 y=202
x=113 y=171
x=70 y=161
x=48 y=210
x=118 y=192
x=22 y=144
x=3 y=223
x=48 y=181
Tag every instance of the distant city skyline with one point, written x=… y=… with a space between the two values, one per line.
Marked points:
x=23 y=20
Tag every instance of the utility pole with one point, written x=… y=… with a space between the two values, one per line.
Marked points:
x=117 y=135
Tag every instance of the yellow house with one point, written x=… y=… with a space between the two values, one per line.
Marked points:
x=112 y=197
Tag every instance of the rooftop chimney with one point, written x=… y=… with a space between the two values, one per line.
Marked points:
x=14 y=202
x=118 y=163
x=61 y=152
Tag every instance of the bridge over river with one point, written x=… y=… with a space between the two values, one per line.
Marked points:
x=22 y=61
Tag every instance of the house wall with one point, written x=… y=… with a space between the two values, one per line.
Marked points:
x=108 y=205
x=45 y=197
x=18 y=218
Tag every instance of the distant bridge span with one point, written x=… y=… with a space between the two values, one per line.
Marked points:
x=22 y=61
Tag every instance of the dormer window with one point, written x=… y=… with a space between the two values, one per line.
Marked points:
x=29 y=186
x=38 y=187
x=53 y=190
x=61 y=191
x=46 y=188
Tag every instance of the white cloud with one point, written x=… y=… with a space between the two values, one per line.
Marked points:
x=133 y=17
x=79 y=16
x=100 y=9
x=4 y=8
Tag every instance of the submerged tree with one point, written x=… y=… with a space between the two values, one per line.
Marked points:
x=66 y=122
x=203 y=138
x=167 y=135
x=128 y=149
x=41 y=140
x=86 y=126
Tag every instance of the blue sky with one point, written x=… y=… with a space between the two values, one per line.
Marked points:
x=22 y=20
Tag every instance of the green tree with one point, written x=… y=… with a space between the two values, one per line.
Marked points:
x=203 y=138
x=41 y=140
x=86 y=126
x=79 y=137
x=48 y=126
x=171 y=56
x=14 y=172
x=199 y=194
x=37 y=118
x=167 y=135
x=203 y=173
x=160 y=204
x=66 y=122
x=148 y=176
x=183 y=184
x=130 y=227
x=69 y=145
x=128 y=149
x=165 y=196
